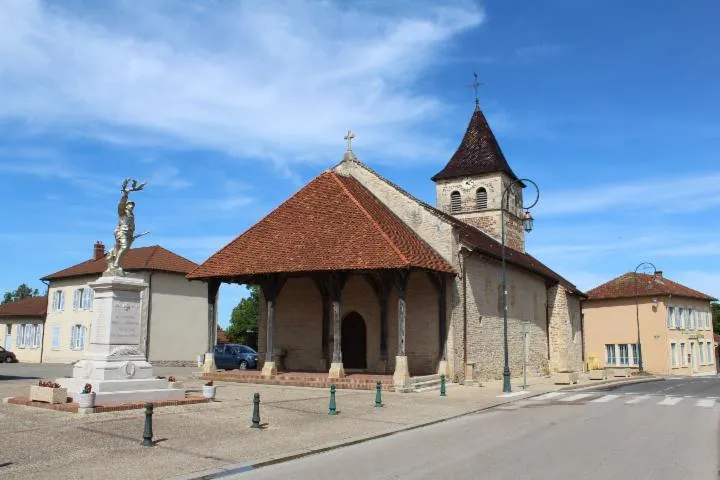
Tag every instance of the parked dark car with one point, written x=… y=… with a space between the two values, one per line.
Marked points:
x=233 y=355
x=7 y=356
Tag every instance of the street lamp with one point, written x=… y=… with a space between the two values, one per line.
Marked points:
x=637 y=311
x=527 y=221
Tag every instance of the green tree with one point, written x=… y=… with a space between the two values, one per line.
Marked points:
x=244 y=320
x=23 y=291
x=715 y=308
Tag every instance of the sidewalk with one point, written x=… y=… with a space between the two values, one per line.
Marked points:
x=197 y=440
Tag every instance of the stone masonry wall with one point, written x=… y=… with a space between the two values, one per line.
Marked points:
x=565 y=330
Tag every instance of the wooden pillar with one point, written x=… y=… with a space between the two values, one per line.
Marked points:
x=335 y=283
x=439 y=280
x=209 y=362
x=401 y=377
x=271 y=286
x=322 y=287
x=381 y=284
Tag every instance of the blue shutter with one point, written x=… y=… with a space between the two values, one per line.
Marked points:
x=56 y=336
x=19 y=335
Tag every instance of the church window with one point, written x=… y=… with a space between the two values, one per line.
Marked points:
x=455 y=202
x=481 y=198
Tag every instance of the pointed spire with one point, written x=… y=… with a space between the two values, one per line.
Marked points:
x=478 y=152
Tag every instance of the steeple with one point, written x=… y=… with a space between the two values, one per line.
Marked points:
x=478 y=153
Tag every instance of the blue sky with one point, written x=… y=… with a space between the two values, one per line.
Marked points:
x=227 y=108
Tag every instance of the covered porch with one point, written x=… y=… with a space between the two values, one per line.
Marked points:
x=347 y=287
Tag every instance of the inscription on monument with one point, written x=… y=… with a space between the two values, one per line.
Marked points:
x=98 y=333
x=126 y=320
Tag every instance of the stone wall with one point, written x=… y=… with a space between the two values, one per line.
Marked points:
x=565 y=330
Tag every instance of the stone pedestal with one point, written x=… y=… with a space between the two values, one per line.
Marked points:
x=114 y=363
x=209 y=363
x=269 y=370
x=443 y=368
x=401 y=377
x=336 y=370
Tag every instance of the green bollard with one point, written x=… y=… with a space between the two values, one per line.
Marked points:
x=378 y=395
x=442 y=385
x=333 y=408
x=148 y=433
x=256 y=411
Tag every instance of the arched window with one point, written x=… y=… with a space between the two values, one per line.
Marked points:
x=455 y=202
x=481 y=198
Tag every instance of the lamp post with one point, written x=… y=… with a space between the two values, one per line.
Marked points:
x=637 y=311
x=527 y=220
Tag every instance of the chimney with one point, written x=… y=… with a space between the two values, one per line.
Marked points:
x=658 y=274
x=98 y=250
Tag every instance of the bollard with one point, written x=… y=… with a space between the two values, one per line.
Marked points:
x=333 y=408
x=442 y=385
x=256 y=411
x=148 y=434
x=378 y=395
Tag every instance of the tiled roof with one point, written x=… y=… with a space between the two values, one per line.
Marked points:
x=143 y=258
x=333 y=223
x=27 y=307
x=647 y=285
x=478 y=152
x=221 y=337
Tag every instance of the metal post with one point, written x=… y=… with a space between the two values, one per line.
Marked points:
x=378 y=394
x=148 y=433
x=524 y=334
x=333 y=408
x=256 y=411
x=506 y=368
x=637 y=312
x=442 y=386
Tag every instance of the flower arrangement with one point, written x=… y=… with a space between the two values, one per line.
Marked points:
x=48 y=384
x=209 y=384
x=171 y=379
x=87 y=388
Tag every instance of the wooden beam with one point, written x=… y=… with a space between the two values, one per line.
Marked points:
x=401 y=278
x=320 y=283
x=271 y=287
x=213 y=288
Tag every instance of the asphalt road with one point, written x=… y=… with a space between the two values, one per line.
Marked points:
x=657 y=430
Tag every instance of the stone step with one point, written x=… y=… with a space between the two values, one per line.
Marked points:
x=433 y=387
x=425 y=378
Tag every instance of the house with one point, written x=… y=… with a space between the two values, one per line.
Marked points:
x=673 y=321
x=175 y=322
x=357 y=274
x=22 y=324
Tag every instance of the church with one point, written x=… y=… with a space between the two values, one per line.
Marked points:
x=358 y=275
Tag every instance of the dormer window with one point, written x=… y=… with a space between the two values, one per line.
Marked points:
x=455 y=202
x=481 y=198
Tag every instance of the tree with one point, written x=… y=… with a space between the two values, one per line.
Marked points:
x=715 y=309
x=245 y=319
x=23 y=291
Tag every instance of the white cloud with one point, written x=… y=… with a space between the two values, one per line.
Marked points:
x=279 y=80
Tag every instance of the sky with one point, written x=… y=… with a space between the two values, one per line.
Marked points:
x=227 y=108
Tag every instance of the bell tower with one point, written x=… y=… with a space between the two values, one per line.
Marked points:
x=471 y=185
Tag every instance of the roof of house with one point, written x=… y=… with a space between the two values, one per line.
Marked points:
x=478 y=153
x=647 y=285
x=154 y=258
x=221 y=336
x=332 y=223
x=27 y=307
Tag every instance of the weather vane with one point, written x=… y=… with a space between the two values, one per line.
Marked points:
x=474 y=85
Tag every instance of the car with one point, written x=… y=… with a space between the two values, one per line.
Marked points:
x=7 y=356
x=235 y=356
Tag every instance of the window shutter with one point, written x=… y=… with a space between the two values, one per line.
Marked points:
x=91 y=298
x=19 y=335
x=76 y=298
x=28 y=335
x=61 y=300
x=81 y=344
x=481 y=198
x=56 y=336
x=55 y=301
x=455 y=202
x=73 y=335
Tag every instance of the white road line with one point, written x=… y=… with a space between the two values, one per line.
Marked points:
x=577 y=396
x=605 y=398
x=705 y=402
x=637 y=400
x=671 y=401
x=549 y=396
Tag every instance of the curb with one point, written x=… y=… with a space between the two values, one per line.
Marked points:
x=238 y=468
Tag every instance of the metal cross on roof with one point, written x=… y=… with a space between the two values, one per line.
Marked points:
x=349 y=137
x=474 y=85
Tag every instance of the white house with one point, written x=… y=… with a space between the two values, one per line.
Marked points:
x=22 y=325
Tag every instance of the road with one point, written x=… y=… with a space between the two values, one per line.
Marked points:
x=657 y=430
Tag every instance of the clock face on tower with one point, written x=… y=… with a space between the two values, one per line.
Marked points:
x=467 y=184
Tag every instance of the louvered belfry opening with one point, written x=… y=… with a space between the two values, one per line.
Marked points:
x=481 y=199
x=455 y=204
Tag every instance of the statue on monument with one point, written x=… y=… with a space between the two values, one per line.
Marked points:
x=125 y=230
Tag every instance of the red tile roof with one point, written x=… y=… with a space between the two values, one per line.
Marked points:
x=647 y=285
x=153 y=258
x=478 y=152
x=221 y=337
x=27 y=307
x=333 y=223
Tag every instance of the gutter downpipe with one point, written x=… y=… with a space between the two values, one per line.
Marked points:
x=42 y=340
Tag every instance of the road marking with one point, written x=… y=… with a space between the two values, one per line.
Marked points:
x=637 y=400
x=606 y=398
x=705 y=402
x=577 y=396
x=671 y=401
x=549 y=396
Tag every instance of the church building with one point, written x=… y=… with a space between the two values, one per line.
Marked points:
x=357 y=275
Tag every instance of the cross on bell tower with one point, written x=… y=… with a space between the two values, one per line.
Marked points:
x=349 y=155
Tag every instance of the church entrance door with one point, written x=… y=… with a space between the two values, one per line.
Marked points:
x=354 y=342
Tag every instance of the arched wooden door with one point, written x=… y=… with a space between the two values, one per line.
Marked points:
x=354 y=341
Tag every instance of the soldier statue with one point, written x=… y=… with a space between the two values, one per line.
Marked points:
x=125 y=230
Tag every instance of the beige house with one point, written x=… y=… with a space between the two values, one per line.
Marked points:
x=175 y=322
x=675 y=323
x=21 y=324
x=358 y=275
